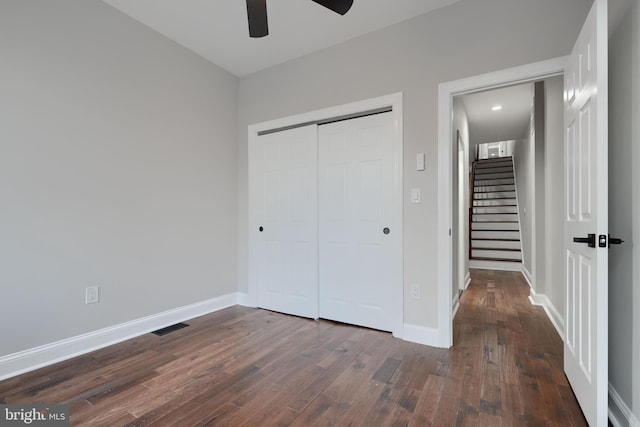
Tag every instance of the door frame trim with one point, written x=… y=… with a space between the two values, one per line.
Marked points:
x=354 y=108
x=446 y=91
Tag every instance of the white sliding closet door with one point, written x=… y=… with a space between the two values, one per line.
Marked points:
x=284 y=199
x=356 y=233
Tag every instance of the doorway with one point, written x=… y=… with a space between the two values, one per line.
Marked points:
x=447 y=91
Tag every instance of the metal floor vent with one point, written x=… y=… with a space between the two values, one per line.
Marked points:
x=168 y=329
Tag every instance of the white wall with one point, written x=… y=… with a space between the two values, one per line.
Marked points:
x=553 y=257
x=412 y=57
x=624 y=210
x=117 y=168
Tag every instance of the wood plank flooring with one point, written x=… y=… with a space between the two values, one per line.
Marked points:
x=243 y=366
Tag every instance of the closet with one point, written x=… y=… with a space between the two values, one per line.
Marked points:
x=322 y=216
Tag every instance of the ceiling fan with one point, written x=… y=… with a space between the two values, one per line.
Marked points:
x=257 y=14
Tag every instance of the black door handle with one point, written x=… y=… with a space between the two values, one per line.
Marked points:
x=386 y=230
x=614 y=241
x=590 y=240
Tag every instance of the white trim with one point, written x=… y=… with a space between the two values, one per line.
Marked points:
x=244 y=300
x=48 y=354
x=446 y=92
x=395 y=102
x=495 y=265
x=528 y=277
x=552 y=312
x=456 y=298
x=622 y=408
x=467 y=280
x=421 y=335
x=456 y=304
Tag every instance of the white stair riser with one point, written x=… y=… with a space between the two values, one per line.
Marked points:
x=488 y=188
x=496 y=175
x=494 y=202
x=496 y=254
x=495 y=217
x=506 y=234
x=496 y=169
x=508 y=226
x=483 y=182
x=497 y=244
x=493 y=195
x=496 y=210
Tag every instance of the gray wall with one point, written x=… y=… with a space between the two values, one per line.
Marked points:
x=538 y=207
x=117 y=168
x=624 y=209
x=460 y=264
x=412 y=57
x=524 y=165
x=553 y=257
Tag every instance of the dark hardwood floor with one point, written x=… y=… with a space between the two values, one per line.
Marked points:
x=250 y=367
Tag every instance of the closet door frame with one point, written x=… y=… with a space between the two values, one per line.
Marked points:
x=392 y=102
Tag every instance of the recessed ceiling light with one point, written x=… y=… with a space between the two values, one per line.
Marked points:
x=496 y=108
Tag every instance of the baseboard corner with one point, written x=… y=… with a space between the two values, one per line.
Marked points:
x=422 y=335
x=618 y=409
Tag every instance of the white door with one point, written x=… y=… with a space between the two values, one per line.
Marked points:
x=357 y=232
x=585 y=352
x=284 y=197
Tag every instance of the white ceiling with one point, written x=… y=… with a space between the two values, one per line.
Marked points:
x=512 y=122
x=217 y=29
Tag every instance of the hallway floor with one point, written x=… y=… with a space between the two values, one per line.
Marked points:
x=509 y=355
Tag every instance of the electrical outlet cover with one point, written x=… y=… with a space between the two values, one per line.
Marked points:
x=92 y=295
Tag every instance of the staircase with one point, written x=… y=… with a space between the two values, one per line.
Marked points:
x=495 y=229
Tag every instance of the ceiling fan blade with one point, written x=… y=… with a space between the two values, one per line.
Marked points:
x=338 y=6
x=257 y=16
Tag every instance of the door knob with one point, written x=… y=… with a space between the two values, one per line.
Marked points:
x=261 y=229
x=386 y=230
x=590 y=240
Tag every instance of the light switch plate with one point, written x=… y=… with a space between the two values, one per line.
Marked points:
x=416 y=195
x=420 y=159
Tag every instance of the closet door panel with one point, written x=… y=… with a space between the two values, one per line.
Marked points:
x=284 y=220
x=355 y=208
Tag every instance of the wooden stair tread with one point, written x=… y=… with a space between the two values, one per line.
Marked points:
x=495 y=240
x=494 y=229
x=495 y=249
x=495 y=259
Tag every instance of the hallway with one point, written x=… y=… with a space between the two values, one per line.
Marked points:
x=509 y=355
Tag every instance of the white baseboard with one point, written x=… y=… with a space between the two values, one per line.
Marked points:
x=421 y=335
x=620 y=409
x=552 y=312
x=527 y=276
x=245 y=301
x=495 y=265
x=467 y=280
x=456 y=305
x=38 y=357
